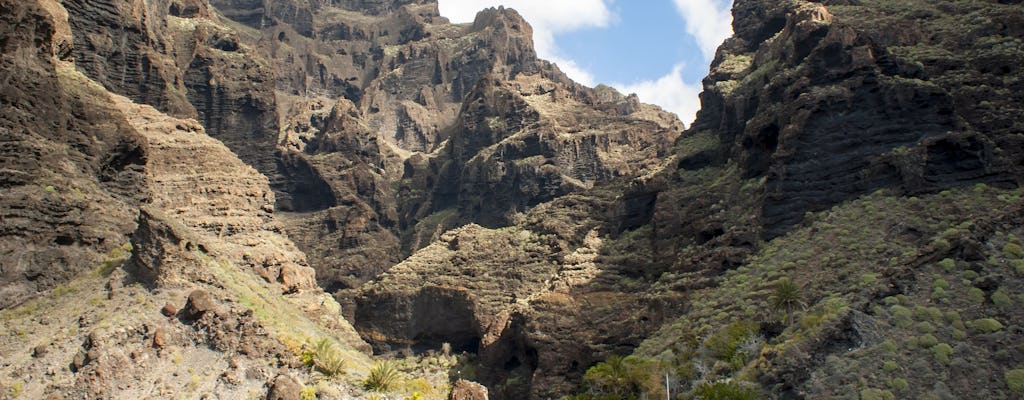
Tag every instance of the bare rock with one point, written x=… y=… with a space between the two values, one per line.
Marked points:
x=199 y=303
x=467 y=390
x=285 y=387
x=40 y=351
x=169 y=310
x=295 y=277
x=160 y=338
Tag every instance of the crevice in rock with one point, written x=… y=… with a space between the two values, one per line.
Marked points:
x=302 y=189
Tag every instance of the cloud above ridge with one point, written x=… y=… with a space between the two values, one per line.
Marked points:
x=708 y=22
x=671 y=92
x=548 y=18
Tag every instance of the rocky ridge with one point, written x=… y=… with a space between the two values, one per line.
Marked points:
x=812 y=109
x=867 y=151
x=207 y=288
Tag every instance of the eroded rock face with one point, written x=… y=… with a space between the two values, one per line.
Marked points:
x=81 y=167
x=388 y=119
x=827 y=104
x=71 y=169
x=539 y=302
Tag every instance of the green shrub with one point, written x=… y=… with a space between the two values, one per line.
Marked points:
x=1013 y=250
x=925 y=327
x=1015 y=380
x=927 y=340
x=899 y=384
x=927 y=313
x=969 y=275
x=325 y=358
x=901 y=316
x=1018 y=265
x=1001 y=299
x=876 y=394
x=725 y=391
x=725 y=344
x=308 y=393
x=948 y=264
x=890 y=366
x=384 y=377
x=975 y=295
x=623 y=377
x=942 y=352
x=986 y=325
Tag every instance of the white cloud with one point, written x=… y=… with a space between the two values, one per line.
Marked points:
x=670 y=92
x=547 y=17
x=709 y=21
x=553 y=15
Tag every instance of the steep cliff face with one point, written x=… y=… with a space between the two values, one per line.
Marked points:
x=828 y=101
x=381 y=111
x=140 y=256
x=71 y=170
x=834 y=145
x=538 y=302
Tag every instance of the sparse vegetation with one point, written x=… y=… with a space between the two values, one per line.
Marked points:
x=730 y=390
x=308 y=393
x=325 y=357
x=1015 y=380
x=787 y=298
x=384 y=377
x=986 y=325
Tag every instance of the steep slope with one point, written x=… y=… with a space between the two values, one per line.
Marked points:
x=395 y=122
x=836 y=149
x=354 y=110
x=199 y=303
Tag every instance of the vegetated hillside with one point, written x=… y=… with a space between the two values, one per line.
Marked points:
x=840 y=221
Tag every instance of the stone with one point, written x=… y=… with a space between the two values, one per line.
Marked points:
x=40 y=351
x=169 y=310
x=467 y=390
x=79 y=360
x=285 y=387
x=295 y=277
x=160 y=339
x=199 y=302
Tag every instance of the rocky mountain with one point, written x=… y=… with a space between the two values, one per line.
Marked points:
x=346 y=199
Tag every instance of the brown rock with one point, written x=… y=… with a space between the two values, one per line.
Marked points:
x=79 y=361
x=199 y=302
x=40 y=351
x=285 y=387
x=169 y=310
x=160 y=338
x=466 y=390
x=295 y=277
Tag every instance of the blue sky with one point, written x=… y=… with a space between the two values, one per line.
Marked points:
x=659 y=49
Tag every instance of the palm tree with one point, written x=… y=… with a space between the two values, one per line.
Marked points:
x=788 y=297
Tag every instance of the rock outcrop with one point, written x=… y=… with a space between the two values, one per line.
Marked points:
x=386 y=108
x=829 y=103
x=809 y=106
x=83 y=168
x=71 y=170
